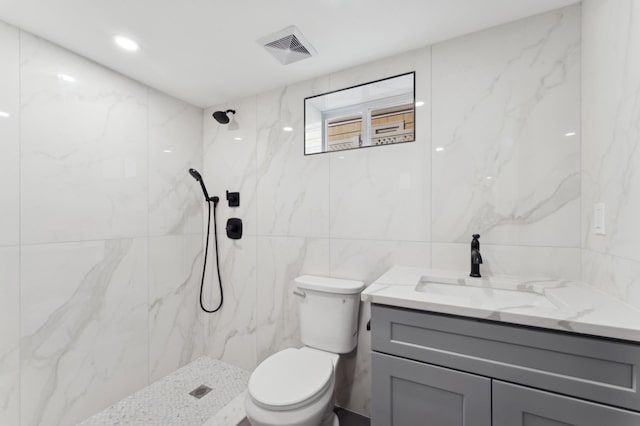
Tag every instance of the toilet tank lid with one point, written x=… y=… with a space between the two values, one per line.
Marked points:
x=329 y=285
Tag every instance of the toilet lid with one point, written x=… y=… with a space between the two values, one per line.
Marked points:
x=290 y=377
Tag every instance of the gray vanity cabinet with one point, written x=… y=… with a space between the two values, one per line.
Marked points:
x=515 y=405
x=408 y=393
x=440 y=370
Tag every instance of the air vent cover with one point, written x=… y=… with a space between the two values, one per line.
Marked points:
x=288 y=45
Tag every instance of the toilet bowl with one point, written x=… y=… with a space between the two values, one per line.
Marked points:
x=295 y=387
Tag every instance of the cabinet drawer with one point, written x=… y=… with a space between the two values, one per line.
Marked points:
x=586 y=367
x=410 y=393
x=519 y=406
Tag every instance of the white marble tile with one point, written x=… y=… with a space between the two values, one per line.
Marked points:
x=611 y=125
x=84 y=339
x=230 y=334
x=385 y=192
x=279 y=261
x=614 y=275
x=293 y=189
x=176 y=322
x=366 y=260
x=412 y=60
x=84 y=148
x=230 y=161
x=9 y=335
x=503 y=101
x=175 y=146
x=9 y=135
x=554 y=262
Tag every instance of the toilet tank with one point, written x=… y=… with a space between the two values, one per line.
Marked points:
x=329 y=312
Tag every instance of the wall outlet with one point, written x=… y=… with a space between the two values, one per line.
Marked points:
x=599 y=219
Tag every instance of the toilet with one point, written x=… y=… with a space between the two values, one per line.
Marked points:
x=295 y=387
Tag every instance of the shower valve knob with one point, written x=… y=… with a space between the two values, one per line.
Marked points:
x=234 y=228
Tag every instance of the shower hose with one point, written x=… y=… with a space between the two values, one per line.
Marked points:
x=206 y=255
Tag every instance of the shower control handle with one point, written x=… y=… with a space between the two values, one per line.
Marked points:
x=234 y=228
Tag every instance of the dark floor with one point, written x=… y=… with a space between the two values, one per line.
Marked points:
x=349 y=418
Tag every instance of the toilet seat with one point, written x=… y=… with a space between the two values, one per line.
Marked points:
x=290 y=379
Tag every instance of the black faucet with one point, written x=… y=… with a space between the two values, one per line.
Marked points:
x=476 y=257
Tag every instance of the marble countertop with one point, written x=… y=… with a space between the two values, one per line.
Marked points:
x=540 y=302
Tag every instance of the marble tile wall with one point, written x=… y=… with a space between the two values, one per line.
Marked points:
x=9 y=225
x=499 y=102
x=503 y=102
x=9 y=135
x=9 y=335
x=611 y=145
x=230 y=159
x=504 y=99
x=100 y=234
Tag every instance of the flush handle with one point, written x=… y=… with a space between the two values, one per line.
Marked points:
x=300 y=293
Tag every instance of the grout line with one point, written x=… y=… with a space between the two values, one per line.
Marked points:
x=431 y=155
x=581 y=134
x=330 y=83
x=254 y=99
x=201 y=314
x=614 y=256
x=382 y=240
x=90 y=240
x=19 y=283
x=147 y=241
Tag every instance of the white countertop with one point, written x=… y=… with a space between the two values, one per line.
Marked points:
x=548 y=303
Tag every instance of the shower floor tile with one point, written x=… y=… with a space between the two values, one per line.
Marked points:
x=169 y=402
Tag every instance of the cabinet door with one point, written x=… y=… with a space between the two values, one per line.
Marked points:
x=519 y=406
x=410 y=393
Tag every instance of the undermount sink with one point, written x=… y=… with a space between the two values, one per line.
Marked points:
x=463 y=292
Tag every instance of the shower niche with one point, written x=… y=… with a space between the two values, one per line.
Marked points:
x=380 y=112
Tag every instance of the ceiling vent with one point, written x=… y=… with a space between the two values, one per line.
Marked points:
x=288 y=45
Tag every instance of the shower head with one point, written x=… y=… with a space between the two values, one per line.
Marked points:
x=222 y=117
x=194 y=173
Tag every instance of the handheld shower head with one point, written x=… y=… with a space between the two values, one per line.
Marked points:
x=196 y=175
x=222 y=117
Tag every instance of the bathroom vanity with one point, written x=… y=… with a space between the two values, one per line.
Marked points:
x=452 y=350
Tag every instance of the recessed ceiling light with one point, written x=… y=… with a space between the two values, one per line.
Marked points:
x=287 y=129
x=4 y=114
x=570 y=134
x=419 y=103
x=237 y=138
x=439 y=148
x=489 y=177
x=67 y=78
x=126 y=43
x=168 y=151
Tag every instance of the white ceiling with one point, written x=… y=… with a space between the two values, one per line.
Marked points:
x=205 y=51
